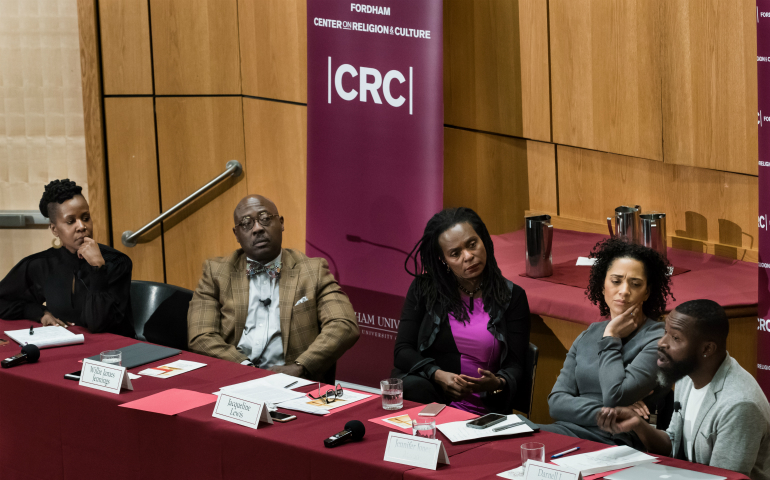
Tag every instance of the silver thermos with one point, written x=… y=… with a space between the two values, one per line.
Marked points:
x=538 y=242
x=627 y=225
x=653 y=232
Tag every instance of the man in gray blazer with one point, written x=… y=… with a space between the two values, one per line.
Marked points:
x=722 y=417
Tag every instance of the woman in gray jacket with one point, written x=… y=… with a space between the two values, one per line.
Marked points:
x=613 y=362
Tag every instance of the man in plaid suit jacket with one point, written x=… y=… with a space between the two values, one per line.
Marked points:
x=317 y=322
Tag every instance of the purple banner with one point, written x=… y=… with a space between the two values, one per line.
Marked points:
x=375 y=156
x=763 y=124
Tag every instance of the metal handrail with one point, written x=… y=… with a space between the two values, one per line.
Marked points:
x=21 y=218
x=233 y=169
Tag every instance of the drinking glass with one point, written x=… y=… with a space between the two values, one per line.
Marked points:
x=113 y=357
x=392 y=393
x=532 y=451
x=424 y=427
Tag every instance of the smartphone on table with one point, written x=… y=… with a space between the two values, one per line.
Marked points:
x=487 y=420
x=431 y=409
x=282 y=417
x=73 y=376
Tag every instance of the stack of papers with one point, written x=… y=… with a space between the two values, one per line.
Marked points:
x=612 y=458
x=460 y=432
x=272 y=390
x=172 y=369
x=46 y=337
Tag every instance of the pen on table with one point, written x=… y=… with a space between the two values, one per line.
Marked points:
x=507 y=426
x=291 y=384
x=31 y=330
x=565 y=452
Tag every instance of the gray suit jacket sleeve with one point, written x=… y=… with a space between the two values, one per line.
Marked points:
x=565 y=402
x=737 y=438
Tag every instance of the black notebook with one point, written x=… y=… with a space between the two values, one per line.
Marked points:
x=141 y=353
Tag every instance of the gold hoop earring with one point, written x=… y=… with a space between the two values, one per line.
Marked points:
x=54 y=244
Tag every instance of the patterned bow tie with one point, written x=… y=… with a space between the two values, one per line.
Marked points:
x=254 y=268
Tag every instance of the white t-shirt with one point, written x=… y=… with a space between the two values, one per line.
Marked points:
x=691 y=410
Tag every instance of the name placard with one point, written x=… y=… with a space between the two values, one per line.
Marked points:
x=104 y=376
x=241 y=411
x=547 y=471
x=415 y=451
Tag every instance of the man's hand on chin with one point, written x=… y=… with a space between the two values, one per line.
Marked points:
x=294 y=370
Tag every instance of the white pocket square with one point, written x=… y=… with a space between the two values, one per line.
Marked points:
x=301 y=300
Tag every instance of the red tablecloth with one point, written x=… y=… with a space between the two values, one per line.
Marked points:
x=51 y=428
x=731 y=283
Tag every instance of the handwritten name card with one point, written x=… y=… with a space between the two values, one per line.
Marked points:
x=415 y=451
x=104 y=376
x=241 y=411
x=546 y=471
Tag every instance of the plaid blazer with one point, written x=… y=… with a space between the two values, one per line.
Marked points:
x=315 y=333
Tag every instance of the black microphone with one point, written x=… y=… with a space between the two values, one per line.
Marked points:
x=354 y=431
x=29 y=353
x=677 y=406
x=266 y=302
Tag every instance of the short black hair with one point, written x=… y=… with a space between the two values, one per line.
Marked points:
x=56 y=193
x=711 y=322
x=655 y=268
x=439 y=286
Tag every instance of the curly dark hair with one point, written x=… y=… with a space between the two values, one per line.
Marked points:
x=655 y=268
x=56 y=193
x=438 y=286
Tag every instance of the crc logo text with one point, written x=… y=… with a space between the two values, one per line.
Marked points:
x=373 y=85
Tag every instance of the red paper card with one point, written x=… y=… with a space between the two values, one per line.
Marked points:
x=171 y=402
x=448 y=414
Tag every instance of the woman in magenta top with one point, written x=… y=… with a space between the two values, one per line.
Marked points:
x=464 y=331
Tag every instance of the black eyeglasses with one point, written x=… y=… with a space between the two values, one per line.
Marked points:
x=330 y=396
x=264 y=219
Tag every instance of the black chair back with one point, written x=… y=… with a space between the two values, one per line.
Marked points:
x=525 y=391
x=160 y=313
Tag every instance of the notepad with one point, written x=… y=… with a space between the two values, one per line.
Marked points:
x=46 y=337
x=460 y=432
x=605 y=460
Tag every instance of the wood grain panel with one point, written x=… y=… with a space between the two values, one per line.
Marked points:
x=496 y=66
x=195 y=47
x=541 y=173
x=126 y=57
x=197 y=136
x=276 y=159
x=96 y=165
x=706 y=210
x=487 y=173
x=134 y=181
x=273 y=39
x=710 y=84
x=605 y=75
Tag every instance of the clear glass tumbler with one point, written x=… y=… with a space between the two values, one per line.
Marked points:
x=392 y=393
x=532 y=451
x=424 y=427
x=113 y=357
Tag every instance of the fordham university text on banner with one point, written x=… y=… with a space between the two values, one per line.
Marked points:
x=763 y=125
x=375 y=156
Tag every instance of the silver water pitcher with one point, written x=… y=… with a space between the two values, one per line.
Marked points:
x=627 y=225
x=653 y=231
x=538 y=241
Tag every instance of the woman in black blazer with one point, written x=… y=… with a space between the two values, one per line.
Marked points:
x=464 y=331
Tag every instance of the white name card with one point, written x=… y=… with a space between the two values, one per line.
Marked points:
x=104 y=376
x=547 y=471
x=415 y=451
x=241 y=411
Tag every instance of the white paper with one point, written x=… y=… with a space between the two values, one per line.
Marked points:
x=539 y=470
x=585 y=262
x=612 y=458
x=242 y=411
x=460 y=432
x=261 y=392
x=514 y=474
x=415 y=451
x=133 y=376
x=300 y=405
x=280 y=380
x=46 y=337
x=104 y=377
x=172 y=369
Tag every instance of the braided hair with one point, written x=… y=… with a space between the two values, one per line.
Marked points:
x=438 y=286
x=655 y=268
x=56 y=193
